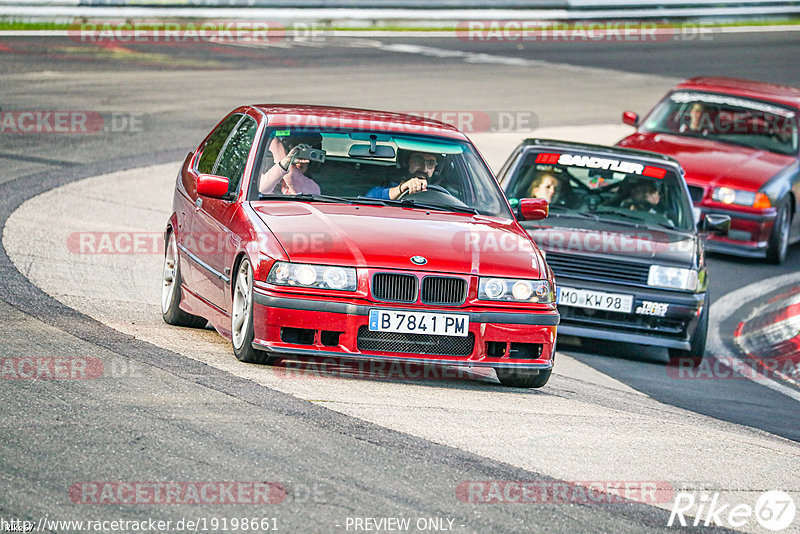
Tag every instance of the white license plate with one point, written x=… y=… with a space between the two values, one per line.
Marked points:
x=595 y=300
x=407 y=322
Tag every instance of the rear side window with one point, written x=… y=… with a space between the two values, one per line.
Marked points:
x=212 y=147
x=234 y=156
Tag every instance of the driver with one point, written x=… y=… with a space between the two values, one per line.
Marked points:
x=645 y=196
x=421 y=166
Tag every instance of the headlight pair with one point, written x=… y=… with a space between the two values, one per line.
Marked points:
x=316 y=276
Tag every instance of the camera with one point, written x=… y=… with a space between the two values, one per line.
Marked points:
x=310 y=153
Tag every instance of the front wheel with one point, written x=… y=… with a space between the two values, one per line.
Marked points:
x=779 y=238
x=242 y=317
x=522 y=378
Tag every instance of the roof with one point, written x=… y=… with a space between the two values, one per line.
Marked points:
x=783 y=94
x=331 y=117
x=601 y=149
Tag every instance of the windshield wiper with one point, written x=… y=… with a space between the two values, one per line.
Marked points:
x=561 y=211
x=409 y=203
x=641 y=222
x=441 y=207
x=303 y=196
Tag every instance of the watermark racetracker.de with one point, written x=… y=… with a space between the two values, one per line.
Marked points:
x=532 y=31
x=563 y=492
x=69 y=122
x=166 y=32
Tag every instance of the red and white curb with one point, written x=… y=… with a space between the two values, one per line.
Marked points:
x=770 y=336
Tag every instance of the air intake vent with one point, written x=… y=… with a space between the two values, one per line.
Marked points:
x=597 y=268
x=415 y=343
x=393 y=287
x=696 y=193
x=445 y=291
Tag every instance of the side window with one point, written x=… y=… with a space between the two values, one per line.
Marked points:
x=211 y=148
x=234 y=158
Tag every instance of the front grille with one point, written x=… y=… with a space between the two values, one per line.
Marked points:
x=623 y=321
x=696 y=193
x=414 y=343
x=597 y=268
x=394 y=287
x=444 y=290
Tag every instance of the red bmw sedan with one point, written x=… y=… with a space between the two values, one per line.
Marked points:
x=305 y=231
x=737 y=140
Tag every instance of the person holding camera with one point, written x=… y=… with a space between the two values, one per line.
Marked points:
x=290 y=170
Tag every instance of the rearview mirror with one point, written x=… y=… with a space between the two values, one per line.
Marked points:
x=368 y=151
x=210 y=185
x=717 y=223
x=630 y=118
x=533 y=209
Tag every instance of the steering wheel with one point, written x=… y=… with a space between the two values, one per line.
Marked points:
x=431 y=187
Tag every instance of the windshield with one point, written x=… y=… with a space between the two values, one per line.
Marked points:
x=726 y=118
x=376 y=168
x=600 y=188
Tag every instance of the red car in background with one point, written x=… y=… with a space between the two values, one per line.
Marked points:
x=737 y=140
x=347 y=256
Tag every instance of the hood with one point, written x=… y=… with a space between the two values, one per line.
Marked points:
x=713 y=163
x=606 y=239
x=388 y=237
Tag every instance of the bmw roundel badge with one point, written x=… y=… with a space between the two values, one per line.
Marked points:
x=418 y=260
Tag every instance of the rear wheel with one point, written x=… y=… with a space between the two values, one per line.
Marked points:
x=242 y=317
x=522 y=378
x=698 y=341
x=779 y=238
x=171 y=311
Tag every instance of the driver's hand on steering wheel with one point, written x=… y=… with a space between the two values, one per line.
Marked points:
x=414 y=185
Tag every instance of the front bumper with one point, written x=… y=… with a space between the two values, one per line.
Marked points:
x=749 y=234
x=673 y=330
x=307 y=327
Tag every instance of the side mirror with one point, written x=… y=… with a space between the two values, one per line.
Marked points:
x=533 y=209
x=630 y=118
x=717 y=224
x=212 y=186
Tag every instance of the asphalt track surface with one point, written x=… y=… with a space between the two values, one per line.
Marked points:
x=180 y=419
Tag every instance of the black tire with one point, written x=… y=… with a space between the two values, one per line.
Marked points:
x=698 y=340
x=522 y=378
x=171 y=281
x=779 y=238
x=242 y=336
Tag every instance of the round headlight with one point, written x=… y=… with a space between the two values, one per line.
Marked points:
x=305 y=275
x=495 y=288
x=726 y=195
x=281 y=272
x=542 y=291
x=335 y=277
x=522 y=290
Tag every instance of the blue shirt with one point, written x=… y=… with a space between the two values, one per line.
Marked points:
x=380 y=192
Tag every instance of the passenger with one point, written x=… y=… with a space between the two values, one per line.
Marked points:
x=645 y=196
x=421 y=166
x=695 y=119
x=545 y=186
x=290 y=172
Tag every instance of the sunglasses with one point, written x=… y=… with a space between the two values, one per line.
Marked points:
x=419 y=160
